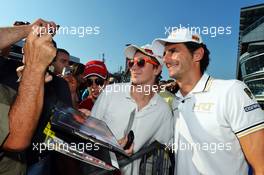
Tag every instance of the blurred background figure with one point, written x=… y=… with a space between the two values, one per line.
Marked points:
x=61 y=60
x=74 y=76
x=78 y=73
x=96 y=76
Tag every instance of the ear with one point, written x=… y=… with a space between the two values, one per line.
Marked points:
x=157 y=70
x=198 y=54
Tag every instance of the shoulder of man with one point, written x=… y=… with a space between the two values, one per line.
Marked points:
x=162 y=104
x=7 y=94
x=227 y=87
x=232 y=86
x=224 y=84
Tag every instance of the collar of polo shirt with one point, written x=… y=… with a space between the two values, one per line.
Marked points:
x=203 y=85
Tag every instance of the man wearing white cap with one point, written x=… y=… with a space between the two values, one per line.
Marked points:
x=219 y=124
x=136 y=105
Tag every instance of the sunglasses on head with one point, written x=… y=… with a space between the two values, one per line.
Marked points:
x=140 y=62
x=97 y=81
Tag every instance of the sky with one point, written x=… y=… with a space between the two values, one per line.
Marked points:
x=106 y=26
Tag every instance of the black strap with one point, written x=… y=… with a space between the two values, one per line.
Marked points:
x=19 y=156
x=1 y=154
x=130 y=122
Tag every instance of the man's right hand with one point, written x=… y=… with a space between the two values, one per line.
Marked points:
x=11 y=35
x=39 y=50
x=43 y=23
x=45 y=26
x=122 y=142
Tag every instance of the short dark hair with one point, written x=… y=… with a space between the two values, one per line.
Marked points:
x=63 y=51
x=60 y=50
x=192 y=47
x=158 y=77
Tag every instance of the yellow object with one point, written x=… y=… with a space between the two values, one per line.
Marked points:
x=167 y=96
x=48 y=132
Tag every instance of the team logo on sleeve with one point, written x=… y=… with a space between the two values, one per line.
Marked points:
x=248 y=92
x=251 y=107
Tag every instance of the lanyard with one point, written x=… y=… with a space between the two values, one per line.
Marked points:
x=130 y=122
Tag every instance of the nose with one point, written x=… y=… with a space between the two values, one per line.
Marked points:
x=94 y=85
x=135 y=66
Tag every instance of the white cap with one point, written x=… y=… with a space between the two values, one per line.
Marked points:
x=177 y=36
x=146 y=49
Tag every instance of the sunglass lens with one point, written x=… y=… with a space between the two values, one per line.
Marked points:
x=141 y=63
x=99 y=81
x=89 y=82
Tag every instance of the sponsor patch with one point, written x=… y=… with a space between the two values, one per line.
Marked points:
x=203 y=107
x=251 y=107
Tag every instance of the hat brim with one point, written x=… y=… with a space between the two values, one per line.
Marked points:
x=159 y=44
x=95 y=74
x=163 y=41
x=131 y=50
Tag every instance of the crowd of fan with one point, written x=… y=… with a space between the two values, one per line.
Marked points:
x=75 y=84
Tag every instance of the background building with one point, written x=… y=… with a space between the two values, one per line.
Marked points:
x=250 y=65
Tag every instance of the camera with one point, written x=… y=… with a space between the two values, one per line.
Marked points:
x=67 y=71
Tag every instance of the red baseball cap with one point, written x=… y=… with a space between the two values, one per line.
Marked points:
x=95 y=67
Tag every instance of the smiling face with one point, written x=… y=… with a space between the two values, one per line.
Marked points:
x=178 y=60
x=143 y=75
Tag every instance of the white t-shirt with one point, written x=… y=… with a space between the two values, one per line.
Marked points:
x=153 y=122
x=209 y=121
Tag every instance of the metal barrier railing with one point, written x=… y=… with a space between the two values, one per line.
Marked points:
x=155 y=160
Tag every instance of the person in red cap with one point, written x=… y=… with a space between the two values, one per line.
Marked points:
x=96 y=75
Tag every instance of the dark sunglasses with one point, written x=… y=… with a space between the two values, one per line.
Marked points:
x=97 y=81
x=140 y=62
